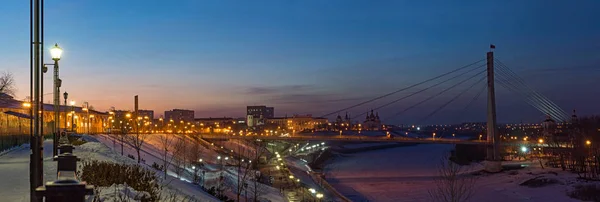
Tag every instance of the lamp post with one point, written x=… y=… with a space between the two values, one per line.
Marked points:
x=72 y=115
x=65 y=96
x=56 y=53
x=85 y=108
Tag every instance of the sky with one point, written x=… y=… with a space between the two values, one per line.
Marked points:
x=310 y=56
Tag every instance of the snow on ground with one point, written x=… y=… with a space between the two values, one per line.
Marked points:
x=407 y=173
x=151 y=153
x=101 y=151
x=115 y=193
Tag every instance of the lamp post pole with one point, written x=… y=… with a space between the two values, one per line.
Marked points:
x=65 y=96
x=56 y=52
x=73 y=116
x=36 y=57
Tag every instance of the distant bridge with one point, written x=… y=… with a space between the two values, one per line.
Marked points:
x=347 y=138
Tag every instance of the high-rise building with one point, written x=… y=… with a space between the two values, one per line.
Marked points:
x=180 y=115
x=258 y=111
x=255 y=115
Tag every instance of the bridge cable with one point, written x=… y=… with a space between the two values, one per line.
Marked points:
x=450 y=101
x=431 y=97
x=420 y=91
x=535 y=93
x=511 y=87
x=542 y=106
x=403 y=89
x=473 y=100
x=535 y=97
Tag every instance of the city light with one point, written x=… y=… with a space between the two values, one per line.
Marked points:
x=319 y=195
x=291 y=177
x=72 y=102
x=524 y=149
x=541 y=140
x=587 y=142
x=199 y=160
x=311 y=190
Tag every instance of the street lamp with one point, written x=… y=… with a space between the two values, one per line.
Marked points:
x=587 y=142
x=65 y=96
x=56 y=53
x=72 y=115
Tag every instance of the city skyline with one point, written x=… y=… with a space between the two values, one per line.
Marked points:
x=305 y=57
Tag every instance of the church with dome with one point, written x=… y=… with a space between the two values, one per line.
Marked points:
x=372 y=122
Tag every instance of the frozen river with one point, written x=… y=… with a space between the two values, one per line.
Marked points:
x=407 y=174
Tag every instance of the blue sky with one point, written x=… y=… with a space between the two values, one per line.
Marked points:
x=308 y=56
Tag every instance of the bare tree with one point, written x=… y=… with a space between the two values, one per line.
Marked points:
x=7 y=83
x=258 y=189
x=452 y=184
x=137 y=141
x=179 y=151
x=193 y=157
x=241 y=161
x=165 y=142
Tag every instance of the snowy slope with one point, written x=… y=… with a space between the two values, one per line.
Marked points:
x=99 y=151
x=151 y=152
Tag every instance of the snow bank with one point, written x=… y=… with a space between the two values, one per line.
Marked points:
x=117 y=192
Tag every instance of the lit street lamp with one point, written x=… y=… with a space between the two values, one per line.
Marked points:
x=319 y=196
x=56 y=53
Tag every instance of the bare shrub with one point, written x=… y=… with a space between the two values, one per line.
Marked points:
x=453 y=183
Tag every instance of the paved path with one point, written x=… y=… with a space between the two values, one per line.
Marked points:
x=14 y=169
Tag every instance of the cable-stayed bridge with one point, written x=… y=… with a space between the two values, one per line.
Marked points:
x=470 y=77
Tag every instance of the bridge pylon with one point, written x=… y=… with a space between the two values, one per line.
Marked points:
x=492 y=163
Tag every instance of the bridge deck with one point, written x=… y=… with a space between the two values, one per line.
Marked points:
x=349 y=138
